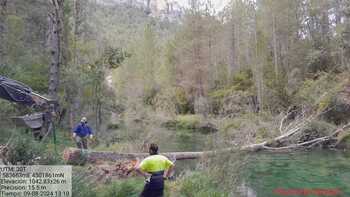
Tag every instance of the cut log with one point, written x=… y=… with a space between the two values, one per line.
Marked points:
x=76 y=156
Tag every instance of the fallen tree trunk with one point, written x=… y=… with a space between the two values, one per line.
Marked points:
x=77 y=156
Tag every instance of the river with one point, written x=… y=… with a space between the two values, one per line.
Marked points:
x=276 y=174
x=272 y=174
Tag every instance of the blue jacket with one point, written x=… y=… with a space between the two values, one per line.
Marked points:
x=83 y=130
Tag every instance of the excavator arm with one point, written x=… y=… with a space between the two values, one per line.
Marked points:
x=20 y=93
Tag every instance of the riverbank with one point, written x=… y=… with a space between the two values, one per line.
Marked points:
x=262 y=174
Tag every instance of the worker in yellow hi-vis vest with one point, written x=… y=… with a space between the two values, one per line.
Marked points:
x=155 y=168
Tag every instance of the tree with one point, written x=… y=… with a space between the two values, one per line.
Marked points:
x=233 y=44
x=3 y=9
x=193 y=56
x=346 y=34
x=56 y=22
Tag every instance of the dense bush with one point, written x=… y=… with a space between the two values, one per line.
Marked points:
x=188 y=121
x=84 y=187
x=319 y=60
x=24 y=150
x=319 y=92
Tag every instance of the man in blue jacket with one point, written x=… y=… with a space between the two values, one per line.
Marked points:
x=81 y=133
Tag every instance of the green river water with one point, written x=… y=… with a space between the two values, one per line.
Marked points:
x=314 y=170
x=266 y=173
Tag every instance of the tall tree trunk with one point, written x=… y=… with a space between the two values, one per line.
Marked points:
x=55 y=37
x=338 y=14
x=325 y=24
x=148 y=8
x=73 y=97
x=232 y=48
x=3 y=11
x=346 y=35
x=258 y=71
x=274 y=34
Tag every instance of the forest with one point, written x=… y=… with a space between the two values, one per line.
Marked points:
x=245 y=98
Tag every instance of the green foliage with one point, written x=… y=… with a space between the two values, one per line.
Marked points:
x=324 y=128
x=7 y=109
x=343 y=140
x=241 y=87
x=15 y=36
x=149 y=95
x=319 y=60
x=83 y=187
x=231 y=124
x=114 y=57
x=123 y=188
x=24 y=150
x=198 y=184
x=222 y=78
x=164 y=101
x=182 y=103
x=243 y=80
x=262 y=133
x=319 y=92
x=187 y=121
x=35 y=76
x=222 y=93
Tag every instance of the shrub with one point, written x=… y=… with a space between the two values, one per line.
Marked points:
x=24 y=150
x=196 y=184
x=182 y=103
x=230 y=103
x=319 y=60
x=165 y=101
x=187 y=121
x=243 y=80
x=319 y=92
x=123 y=188
x=81 y=187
